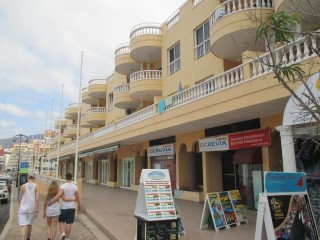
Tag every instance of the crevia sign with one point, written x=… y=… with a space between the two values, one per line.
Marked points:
x=219 y=143
x=161 y=150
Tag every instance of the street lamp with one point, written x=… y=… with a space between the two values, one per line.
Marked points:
x=19 y=138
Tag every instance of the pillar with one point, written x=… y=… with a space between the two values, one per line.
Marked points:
x=287 y=146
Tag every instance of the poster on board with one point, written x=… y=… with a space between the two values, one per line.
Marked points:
x=238 y=206
x=219 y=220
x=227 y=207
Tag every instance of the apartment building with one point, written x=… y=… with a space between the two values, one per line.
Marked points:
x=179 y=92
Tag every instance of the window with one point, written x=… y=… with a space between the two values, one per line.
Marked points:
x=110 y=101
x=174 y=59
x=202 y=40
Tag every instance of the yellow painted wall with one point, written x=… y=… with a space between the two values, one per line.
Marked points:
x=190 y=19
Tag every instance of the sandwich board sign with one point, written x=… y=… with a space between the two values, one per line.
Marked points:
x=224 y=209
x=155 y=210
x=284 y=208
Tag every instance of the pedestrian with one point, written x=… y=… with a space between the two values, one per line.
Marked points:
x=67 y=191
x=28 y=206
x=52 y=212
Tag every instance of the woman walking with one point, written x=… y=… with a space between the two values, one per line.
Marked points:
x=53 y=211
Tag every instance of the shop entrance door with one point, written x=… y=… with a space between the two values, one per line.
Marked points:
x=127 y=172
x=166 y=162
x=229 y=171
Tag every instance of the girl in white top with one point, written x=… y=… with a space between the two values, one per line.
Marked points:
x=53 y=211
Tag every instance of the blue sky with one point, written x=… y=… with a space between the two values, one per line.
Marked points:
x=41 y=42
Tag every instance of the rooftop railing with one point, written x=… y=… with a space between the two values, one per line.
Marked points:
x=145 y=29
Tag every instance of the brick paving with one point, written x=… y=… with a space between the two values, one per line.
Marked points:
x=79 y=230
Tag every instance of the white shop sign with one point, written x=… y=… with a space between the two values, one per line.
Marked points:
x=219 y=143
x=161 y=150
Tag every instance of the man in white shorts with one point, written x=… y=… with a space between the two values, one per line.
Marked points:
x=28 y=206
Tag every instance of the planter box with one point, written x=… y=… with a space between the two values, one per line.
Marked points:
x=189 y=195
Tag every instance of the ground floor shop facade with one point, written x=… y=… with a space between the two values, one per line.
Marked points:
x=194 y=170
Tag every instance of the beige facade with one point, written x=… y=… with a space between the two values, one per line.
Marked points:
x=193 y=77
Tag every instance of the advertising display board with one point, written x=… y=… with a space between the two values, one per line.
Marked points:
x=156 y=213
x=224 y=209
x=285 y=208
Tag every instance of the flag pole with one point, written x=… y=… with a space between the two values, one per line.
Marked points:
x=78 y=125
x=60 y=119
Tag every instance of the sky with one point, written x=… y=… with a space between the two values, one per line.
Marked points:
x=41 y=44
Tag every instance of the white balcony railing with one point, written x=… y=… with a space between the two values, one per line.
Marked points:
x=96 y=110
x=97 y=82
x=145 y=29
x=71 y=126
x=145 y=74
x=173 y=20
x=121 y=88
x=122 y=49
x=232 y=6
x=73 y=105
x=294 y=53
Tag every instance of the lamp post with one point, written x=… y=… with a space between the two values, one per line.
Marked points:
x=22 y=138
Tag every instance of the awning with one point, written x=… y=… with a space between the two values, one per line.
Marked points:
x=248 y=155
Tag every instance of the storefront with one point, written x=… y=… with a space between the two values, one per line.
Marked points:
x=127 y=172
x=162 y=157
x=241 y=161
x=104 y=171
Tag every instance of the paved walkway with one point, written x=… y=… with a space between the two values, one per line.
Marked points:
x=112 y=209
x=83 y=228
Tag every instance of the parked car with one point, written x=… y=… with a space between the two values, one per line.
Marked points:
x=8 y=182
x=4 y=193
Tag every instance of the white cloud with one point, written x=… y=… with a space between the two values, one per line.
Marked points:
x=14 y=110
x=6 y=124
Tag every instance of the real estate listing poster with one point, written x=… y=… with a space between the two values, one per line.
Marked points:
x=227 y=208
x=238 y=206
x=217 y=213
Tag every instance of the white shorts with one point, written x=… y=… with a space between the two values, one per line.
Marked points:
x=26 y=218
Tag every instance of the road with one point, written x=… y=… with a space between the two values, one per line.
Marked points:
x=5 y=214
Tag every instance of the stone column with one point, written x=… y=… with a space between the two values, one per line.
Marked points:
x=287 y=146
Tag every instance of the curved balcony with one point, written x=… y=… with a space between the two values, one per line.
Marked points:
x=96 y=116
x=72 y=111
x=124 y=63
x=232 y=31
x=60 y=121
x=70 y=131
x=122 y=99
x=309 y=7
x=97 y=88
x=84 y=123
x=145 y=85
x=146 y=42
x=85 y=96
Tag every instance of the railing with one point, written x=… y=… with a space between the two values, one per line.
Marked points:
x=72 y=105
x=110 y=106
x=121 y=88
x=71 y=126
x=202 y=49
x=145 y=29
x=97 y=82
x=137 y=116
x=122 y=49
x=85 y=89
x=293 y=53
x=145 y=74
x=233 y=6
x=96 y=110
x=173 y=20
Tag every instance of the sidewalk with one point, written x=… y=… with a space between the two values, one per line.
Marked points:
x=82 y=228
x=112 y=210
